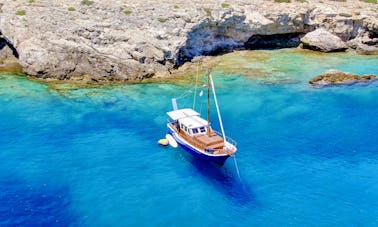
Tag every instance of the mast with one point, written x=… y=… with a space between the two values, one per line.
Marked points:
x=208 y=103
x=216 y=104
x=195 y=88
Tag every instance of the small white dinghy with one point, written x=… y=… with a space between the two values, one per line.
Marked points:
x=171 y=140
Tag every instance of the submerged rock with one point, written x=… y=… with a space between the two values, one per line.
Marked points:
x=336 y=77
x=323 y=40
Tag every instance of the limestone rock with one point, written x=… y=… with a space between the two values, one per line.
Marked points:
x=135 y=39
x=336 y=77
x=367 y=50
x=323 y=40
x=364 y=44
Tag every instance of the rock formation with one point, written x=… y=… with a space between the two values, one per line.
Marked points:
x=135 y=39
x=323 y=40
x=336 y=77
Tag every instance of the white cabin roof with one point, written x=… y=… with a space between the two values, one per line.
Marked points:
x=193 y=122
x=182 y=113
x=188 y=117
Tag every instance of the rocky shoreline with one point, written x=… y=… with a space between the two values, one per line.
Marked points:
x=133 y=40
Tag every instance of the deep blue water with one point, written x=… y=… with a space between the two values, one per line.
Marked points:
x=89 y=157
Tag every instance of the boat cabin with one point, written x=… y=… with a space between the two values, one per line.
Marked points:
x=188 y=120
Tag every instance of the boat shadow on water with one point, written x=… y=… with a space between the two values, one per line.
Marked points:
x=224 y=180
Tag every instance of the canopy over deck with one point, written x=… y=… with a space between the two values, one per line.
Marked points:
x=193 y=122
x=188 y=117
x=182 y=113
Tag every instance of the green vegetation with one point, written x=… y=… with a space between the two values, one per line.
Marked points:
x=20 y=12
x=207 y=11
x=302 y=1
x=225 y=5
x=371 y=1
x=87 y=2
x=176 y=7
x=162 y=20
x=282 y=0
x=127 y=12
x=71 y=9
x=31 y=1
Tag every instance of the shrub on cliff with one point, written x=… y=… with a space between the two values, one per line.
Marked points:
x=371 y=1
x=162 y=20
x=20 y=12
x=87 y=2
x=225 y=5
x=127 y=12
x=207 y=11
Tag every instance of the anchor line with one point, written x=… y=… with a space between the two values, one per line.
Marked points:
x=236 y=166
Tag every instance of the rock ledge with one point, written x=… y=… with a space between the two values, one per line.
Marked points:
x=336 y=77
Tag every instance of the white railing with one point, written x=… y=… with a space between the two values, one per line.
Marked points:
x=228 y=139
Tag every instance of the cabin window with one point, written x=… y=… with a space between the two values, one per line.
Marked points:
x=203 y=129
x=195 y=131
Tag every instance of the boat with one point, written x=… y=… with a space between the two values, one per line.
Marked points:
x=163 y=142
x=195 y=134
x=171 y=141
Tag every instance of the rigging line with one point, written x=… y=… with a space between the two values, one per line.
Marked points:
x=236 y=167
x=188 y=92
x=195 y=89
x=201 y=108
x=216 y=105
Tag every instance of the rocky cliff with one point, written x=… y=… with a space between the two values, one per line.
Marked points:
x=129 y=40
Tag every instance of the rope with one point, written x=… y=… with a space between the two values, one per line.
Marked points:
x=188 y=92
x=236 y=166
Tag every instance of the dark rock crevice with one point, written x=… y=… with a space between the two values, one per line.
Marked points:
x=373 y=34
x=211 y=38
x=5 y=42
x=275 y=41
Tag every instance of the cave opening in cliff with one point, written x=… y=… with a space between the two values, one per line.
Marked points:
x=275 y=41
x=373 y=35
x=5 y=42
x=255 y=42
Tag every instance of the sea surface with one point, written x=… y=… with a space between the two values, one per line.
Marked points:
x=89 y=157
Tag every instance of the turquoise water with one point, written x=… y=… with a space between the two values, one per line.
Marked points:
x=89 y=157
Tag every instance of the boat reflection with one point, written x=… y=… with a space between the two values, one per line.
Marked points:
x=225 y=180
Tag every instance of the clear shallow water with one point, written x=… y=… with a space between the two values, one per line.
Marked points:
x=89 y=157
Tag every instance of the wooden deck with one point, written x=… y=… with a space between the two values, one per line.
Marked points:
x=204 y=141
